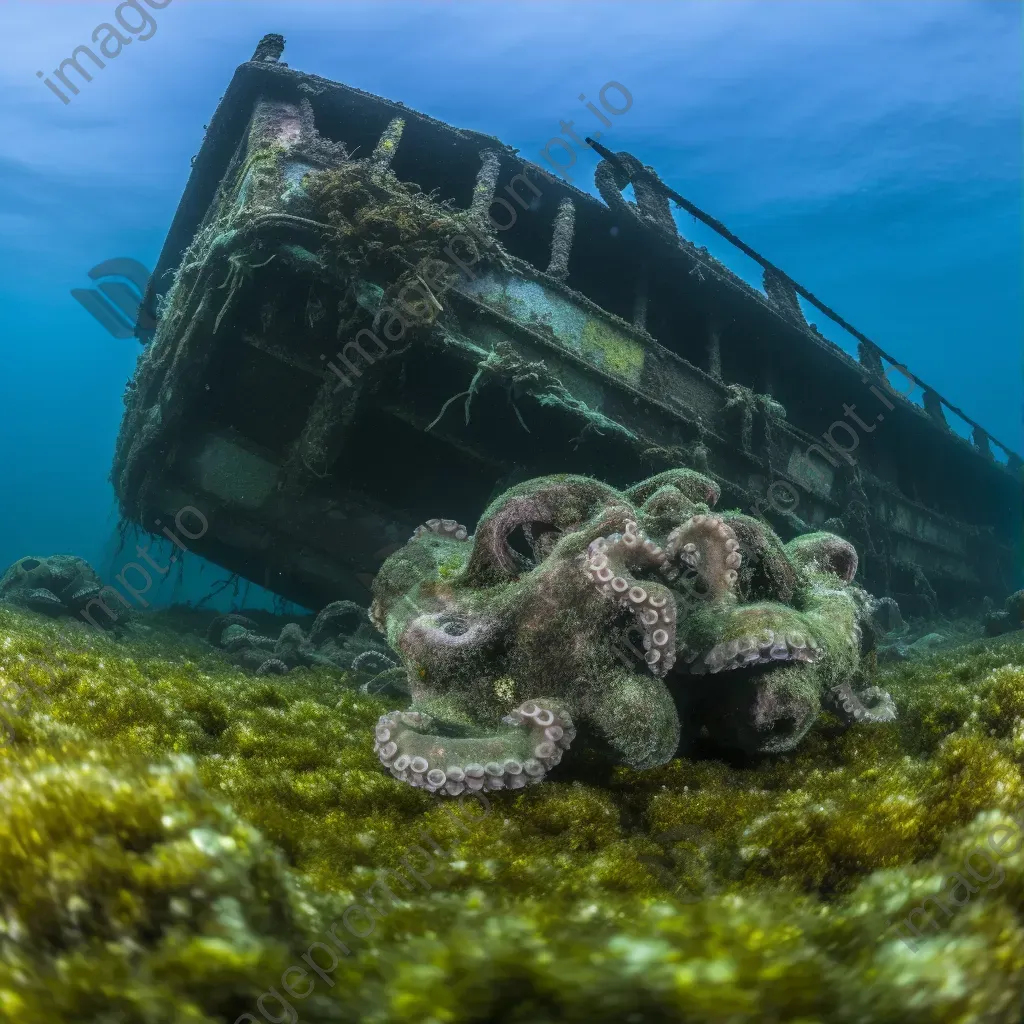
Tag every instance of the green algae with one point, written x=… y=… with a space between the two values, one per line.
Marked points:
x=612 y=350
x=451 y=566
x=175 y=835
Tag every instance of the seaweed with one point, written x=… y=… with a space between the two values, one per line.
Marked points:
x=176 y=836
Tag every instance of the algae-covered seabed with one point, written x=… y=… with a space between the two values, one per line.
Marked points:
x=176 y=834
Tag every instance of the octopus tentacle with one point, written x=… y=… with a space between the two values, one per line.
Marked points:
x=607 y=563
x=237 y=637
x=758 y=649
x=377 y=617
x=540 y=732
x=708 y=545
x=637 y=717
x=766 y=573
x=443 y=528
x=372 y=661
x=666 y=508
x=492 y=549
x=692 y=485
x=392 y=681
x=43 y=600
x=853 y=706
x=220 y=624
x=543 y=543
x=824 y=552
x=558 y=503
x=272 y=666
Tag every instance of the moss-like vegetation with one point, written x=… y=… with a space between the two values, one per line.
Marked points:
x=174 y=835
x=614 y=351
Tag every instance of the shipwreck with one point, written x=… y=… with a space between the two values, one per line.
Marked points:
x=367 y=318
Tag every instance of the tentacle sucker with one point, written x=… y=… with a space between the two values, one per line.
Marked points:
x=708 y=546
x=870 y=705
x=758 y=650
x=539 y=733
x=608 y=561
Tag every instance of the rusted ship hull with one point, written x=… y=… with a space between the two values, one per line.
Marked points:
x=369 y=318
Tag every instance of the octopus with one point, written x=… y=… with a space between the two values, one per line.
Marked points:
x=56 y=585
x=340 y=637
x=636 y=619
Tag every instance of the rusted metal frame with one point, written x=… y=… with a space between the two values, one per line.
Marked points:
x=717 y=385
x=972 y=530
x=781 y=275
x=872 y=482
x=479 y=305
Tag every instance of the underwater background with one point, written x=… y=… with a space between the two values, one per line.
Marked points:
x=231 y=808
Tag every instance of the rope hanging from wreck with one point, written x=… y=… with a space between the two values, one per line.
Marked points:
x=718 y=226
x=495 y=363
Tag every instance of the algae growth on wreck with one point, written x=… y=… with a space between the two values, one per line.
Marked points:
x=494 y=598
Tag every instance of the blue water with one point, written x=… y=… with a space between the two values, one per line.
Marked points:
x=873 y=151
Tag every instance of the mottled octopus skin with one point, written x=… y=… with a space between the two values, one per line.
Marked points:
x=508 y=655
